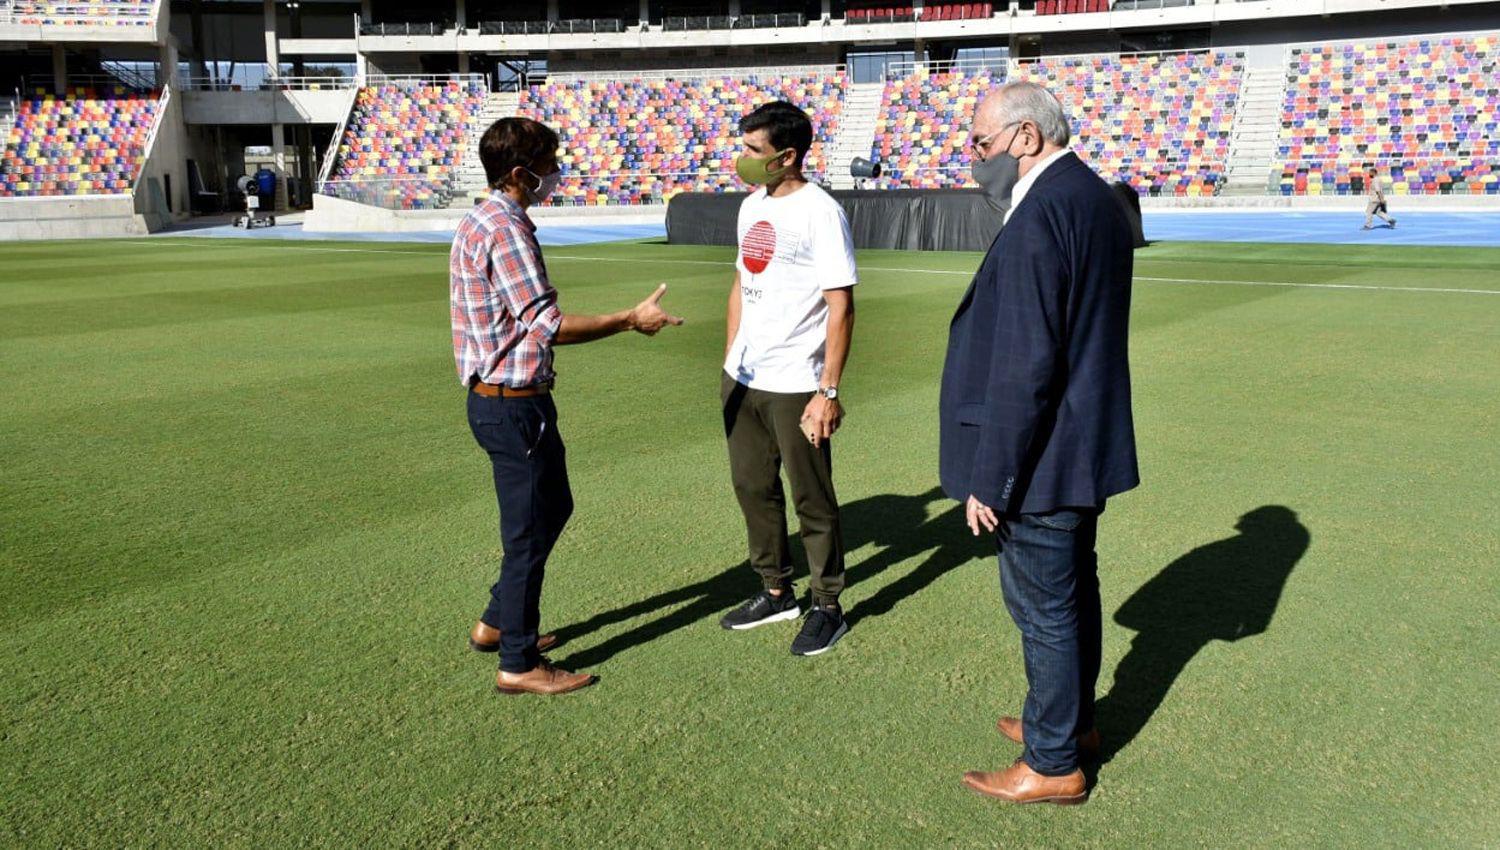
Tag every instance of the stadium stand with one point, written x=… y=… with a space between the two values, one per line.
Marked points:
x=403 y=141
x=919 y=134
x=1423 y=111
x=642 y=140
x=85 y=13
x=929 y=12
x=88 y=142
x=1161 y=122
x=1070 y=7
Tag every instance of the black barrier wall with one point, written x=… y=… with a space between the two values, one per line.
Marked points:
x=906 y=219
x=909 y=219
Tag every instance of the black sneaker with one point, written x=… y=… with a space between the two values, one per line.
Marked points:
x=824 y=625
x=763 y=608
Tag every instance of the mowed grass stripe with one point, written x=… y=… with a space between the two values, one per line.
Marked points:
x=554 y=257
x=273 y=528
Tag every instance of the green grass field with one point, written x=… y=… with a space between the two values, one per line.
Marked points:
x=244 y=530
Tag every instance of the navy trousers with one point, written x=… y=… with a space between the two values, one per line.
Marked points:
x=1049 y=576
x=531 y=484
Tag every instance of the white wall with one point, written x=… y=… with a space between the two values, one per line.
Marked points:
x=167 y=158
x=89 y=217
x=324 y=106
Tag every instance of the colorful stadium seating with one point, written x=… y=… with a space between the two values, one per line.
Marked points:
x=1424 y=112
x=83 y=12
x=644 y=140
x=86 y=143
x=1159 y=122
x=403 y=141
x=1070 y=7
x=920 y=134
x=931 y=11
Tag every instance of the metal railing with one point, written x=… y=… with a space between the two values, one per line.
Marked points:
x=426 y=80
x=1138 y=5
x=392 y=193
x=135 y=75
x=30 y=85
x=9 y=105
x=1012 y=65
x=1358 y=159
x=270 y=83
x=515 y=27
x=697 y=73
x=1296 y=46
x=589 y=25
x=74 y=14
x=337 y=141
x=906 y=67
x=406 y=29
x=777 y=20
x=156 y=121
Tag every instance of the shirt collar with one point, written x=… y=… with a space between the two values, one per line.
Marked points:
x=1023 y=186
x=511 y=208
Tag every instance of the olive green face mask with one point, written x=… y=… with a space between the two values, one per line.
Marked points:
x=757 y=170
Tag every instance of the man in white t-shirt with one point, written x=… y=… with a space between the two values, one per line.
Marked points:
x=791 y=316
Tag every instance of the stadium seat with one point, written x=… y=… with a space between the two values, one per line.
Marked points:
x=1422 y=111
x=403 y=142
x=87 y=142
x=1159 y=122
x=79 y=13
x=641 y=141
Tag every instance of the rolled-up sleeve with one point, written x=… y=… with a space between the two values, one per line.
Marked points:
x=523 y=286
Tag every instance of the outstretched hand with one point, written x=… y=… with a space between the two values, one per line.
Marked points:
x=648 y=317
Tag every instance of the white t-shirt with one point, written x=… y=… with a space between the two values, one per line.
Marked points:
x=791 y=249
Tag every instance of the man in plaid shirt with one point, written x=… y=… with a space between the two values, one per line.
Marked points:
x=505 y=322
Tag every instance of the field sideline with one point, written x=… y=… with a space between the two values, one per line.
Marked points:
x=244 y=529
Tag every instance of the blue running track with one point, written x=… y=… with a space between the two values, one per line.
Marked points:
x=1464 y=229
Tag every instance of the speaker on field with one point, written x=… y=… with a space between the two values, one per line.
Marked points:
x=859 y=167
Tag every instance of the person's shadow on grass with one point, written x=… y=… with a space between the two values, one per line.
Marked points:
x=1226 y=590
x=897 y=524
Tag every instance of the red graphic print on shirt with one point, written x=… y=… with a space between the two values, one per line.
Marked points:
x=759 y=246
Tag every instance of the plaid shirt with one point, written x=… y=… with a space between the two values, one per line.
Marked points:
x=504 y=310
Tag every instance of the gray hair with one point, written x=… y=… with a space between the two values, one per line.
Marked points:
x=1017 y=102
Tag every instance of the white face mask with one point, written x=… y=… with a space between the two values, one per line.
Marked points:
x=545 y=185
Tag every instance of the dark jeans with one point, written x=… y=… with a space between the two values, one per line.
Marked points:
x=531 y=484
x=1049 y=576
x=764 y=434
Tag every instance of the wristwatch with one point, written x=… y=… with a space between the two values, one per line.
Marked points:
x=829 y=393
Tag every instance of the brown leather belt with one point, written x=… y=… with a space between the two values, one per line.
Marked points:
x=499 y=391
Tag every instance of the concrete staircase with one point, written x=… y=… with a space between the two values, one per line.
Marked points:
x=1257 y=126
x=469 y=176
x=856 y=136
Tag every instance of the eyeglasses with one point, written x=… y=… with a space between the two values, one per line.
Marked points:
x=978 y=147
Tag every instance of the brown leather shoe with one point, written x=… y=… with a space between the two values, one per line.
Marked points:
x=1020 y=784
x=483 y=638
x=542 y=679
x=1088 y=742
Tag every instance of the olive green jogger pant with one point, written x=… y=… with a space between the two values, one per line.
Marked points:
x=764 y=435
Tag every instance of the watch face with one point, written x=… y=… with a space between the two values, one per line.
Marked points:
x=831 y=393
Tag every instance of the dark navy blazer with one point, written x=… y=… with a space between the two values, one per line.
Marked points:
x=1035 y=404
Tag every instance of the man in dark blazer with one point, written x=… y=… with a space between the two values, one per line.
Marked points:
x=1036 y=429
